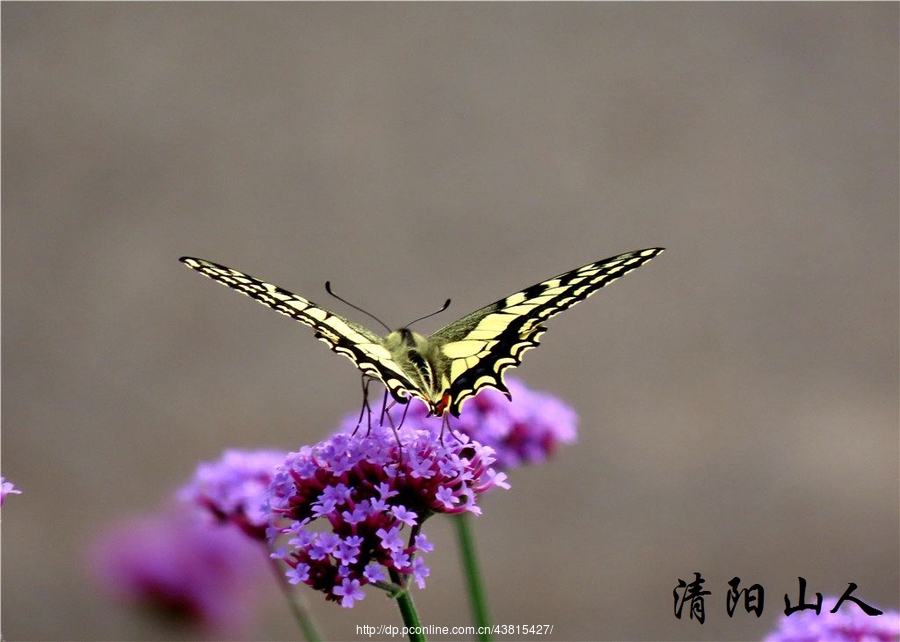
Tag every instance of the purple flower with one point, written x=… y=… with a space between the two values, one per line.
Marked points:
x=372 y=493
x=349 y=592
x=420 y=572
x=849 y=624
x=375 y=573
x=298 y=574
x=524 y=430
x=7 y=488
x=202 y=575
x=233 y=488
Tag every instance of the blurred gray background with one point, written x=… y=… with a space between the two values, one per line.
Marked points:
x=738 y=396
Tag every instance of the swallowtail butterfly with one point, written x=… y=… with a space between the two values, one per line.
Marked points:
x=456 y=362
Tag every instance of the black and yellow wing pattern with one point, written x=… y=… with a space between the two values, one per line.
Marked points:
x=456 y=362
x=356 y=342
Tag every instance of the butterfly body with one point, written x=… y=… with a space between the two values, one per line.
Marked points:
x=456 y=362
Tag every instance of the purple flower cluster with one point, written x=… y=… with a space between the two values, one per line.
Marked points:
x=372 y=493
x=344 y=513
x=849 y=624
x=234 y=488
x=201 y=575
x=524 y=430
x=7 y=488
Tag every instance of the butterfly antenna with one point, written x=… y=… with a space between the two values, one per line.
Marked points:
x=355 y=307
x=430 y=314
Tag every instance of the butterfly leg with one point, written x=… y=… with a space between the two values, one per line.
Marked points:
x=366 y=409
x=384 y=412
x=446 y=428
x=385 y=409
x=403 y=417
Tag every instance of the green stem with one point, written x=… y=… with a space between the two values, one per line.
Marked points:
x=477 y=599
x=410 y=616
x=296 y=603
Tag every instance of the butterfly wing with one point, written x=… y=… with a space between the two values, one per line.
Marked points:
x=359 y=344
x=478 y=348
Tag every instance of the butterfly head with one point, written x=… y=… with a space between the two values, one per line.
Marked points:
x=440 y=407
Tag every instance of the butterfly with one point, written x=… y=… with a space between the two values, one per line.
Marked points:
x=459 y=360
